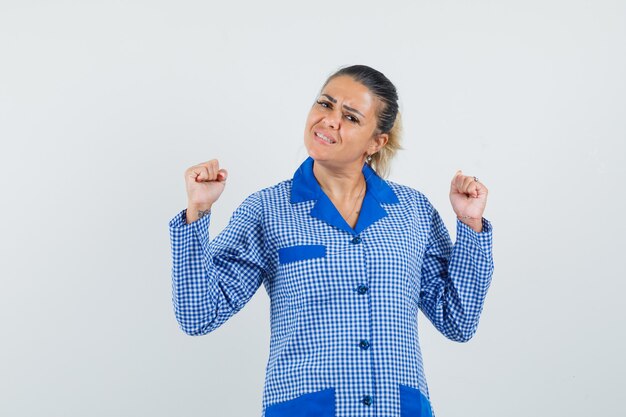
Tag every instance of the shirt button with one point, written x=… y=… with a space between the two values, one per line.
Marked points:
x=367 y=400
x=364 y=344
x=362 y=289
x=356 y=240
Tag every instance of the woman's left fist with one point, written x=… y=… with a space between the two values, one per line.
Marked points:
x=469 y=198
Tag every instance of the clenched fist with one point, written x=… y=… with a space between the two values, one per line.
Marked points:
x=205 y=183
x=469 y=198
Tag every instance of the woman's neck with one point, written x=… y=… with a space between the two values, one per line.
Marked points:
x=344 y=184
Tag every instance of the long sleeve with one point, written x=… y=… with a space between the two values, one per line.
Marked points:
x=455 y=278
x=211 y=281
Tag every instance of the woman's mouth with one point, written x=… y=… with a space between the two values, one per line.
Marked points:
x=325 y=139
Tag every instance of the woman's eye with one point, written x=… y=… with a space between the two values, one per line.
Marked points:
x=327 y=105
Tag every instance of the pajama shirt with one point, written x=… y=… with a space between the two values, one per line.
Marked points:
x=343 y=301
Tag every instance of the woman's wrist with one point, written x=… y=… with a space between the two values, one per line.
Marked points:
x=474 y=223
x=196 y=211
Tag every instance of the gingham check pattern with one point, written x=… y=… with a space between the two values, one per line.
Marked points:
x=346 y=320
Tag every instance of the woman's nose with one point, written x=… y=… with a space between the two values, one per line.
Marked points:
x=332 y=120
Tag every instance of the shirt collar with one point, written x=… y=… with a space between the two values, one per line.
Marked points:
x=305 y=187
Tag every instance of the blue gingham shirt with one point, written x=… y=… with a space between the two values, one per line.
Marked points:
x=344 y=302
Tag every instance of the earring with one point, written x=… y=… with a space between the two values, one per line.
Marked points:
x=368 y=159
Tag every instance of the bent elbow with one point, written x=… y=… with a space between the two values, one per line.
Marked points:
x=464 y=337
x=193 y=330
x=461 y=335
x=196 y=327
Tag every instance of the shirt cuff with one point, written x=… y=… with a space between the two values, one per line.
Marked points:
x=481 y=239
x=180 y=228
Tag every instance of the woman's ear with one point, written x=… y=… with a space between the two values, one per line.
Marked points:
x=378 y=142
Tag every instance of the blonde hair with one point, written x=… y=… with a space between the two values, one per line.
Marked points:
x=381 y=160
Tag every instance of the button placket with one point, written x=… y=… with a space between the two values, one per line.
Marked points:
x=362 y=289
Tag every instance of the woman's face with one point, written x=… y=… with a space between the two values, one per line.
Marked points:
x=341 y=125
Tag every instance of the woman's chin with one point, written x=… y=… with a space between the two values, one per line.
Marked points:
x=316 y=154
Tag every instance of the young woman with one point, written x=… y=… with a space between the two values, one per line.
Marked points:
x=346 y=257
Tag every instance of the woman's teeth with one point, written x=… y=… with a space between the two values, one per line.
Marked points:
x=324 y=138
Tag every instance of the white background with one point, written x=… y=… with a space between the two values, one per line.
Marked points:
x=103 y=105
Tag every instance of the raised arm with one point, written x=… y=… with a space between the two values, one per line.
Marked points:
x=455 y=278
x=213 y=280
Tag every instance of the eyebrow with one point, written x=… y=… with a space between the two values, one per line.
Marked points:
x=346 y=107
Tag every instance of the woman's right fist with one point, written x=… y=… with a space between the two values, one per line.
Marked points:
x=205 y=183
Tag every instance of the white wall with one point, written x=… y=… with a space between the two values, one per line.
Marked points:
x=104 y=104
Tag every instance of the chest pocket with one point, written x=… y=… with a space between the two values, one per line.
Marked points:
x=300 y=253
x=302 y=271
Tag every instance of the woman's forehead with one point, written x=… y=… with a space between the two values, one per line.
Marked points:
x=350 y=92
